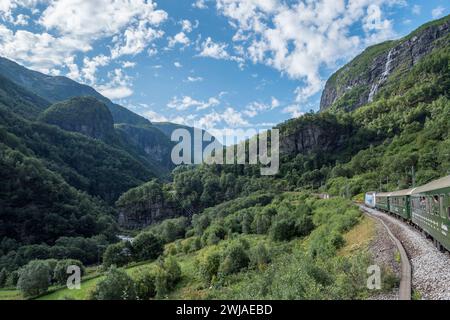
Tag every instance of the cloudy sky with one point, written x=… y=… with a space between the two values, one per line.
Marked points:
x=209 y=63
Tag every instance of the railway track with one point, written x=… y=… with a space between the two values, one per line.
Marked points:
x=406 y=277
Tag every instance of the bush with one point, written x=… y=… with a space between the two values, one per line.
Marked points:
x=145 y=285
x=209 y=267
x=236 y=259
x=147 y=246
x=213 y=234
x=282 y=230
x=34 y=278
x=117 y=285
x=173 y=270
x=3 y=277
x=167 y=276
x=60 y=271
x=259 y=256
x=118 y=254
x=13 y=278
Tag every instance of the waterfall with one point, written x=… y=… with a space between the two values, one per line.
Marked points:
x=383 y=78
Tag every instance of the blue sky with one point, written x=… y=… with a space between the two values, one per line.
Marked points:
x=212 y=64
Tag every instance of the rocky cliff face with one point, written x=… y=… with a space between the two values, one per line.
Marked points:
x=308 y=134
x=138 y=218
x=146 y=204
x=361 y=80
x=149 y=143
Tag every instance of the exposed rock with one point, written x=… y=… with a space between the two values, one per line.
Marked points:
x=361 y=80
x=148 y=142
x=308 y=136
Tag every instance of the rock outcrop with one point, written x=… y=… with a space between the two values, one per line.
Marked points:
x=361 y=80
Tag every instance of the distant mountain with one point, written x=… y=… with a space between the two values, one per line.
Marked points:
x=19 y=100
x=365 y=77
x=56 y=89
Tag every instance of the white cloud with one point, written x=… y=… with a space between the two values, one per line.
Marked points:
x=302 y=37
x=135 y=39
x=154 y=117
x=416 y=9
x=294 y=110
x=100 y=18
x=42 y=52
x=90 y=68
x=152 y=52
x=256 y=108
x=187 y=102
x=177 y=64
x=211 y=49
x=194 y=79
x=438 y=12
x=200 y=4
x=128 y=64
x=186 y=26
x=118 y=87
x=69 y=27
x=179 y=38
x=230 y=116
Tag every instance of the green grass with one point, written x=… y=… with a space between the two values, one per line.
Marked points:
x=12 y=294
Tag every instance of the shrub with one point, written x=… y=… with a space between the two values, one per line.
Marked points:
x=13 y=278
x=209 y=266
x=259 y=256
x=173 y=270
x=117 y=285
x=3 y=277
x=282 y=230
x=118 y=254
x=236 y=259
x=146 y=246
x=145 y=285
x=213 y=234
x=167 y=276
x=34 y=278
x=60 y=271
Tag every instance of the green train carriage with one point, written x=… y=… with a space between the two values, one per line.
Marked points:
x=400 y=204
x=430 y=210
x=382 y=201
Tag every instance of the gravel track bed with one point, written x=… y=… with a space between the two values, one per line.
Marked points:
x=430 y=268
x=383 y=251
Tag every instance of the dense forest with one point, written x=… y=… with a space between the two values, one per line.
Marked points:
x=213 y=231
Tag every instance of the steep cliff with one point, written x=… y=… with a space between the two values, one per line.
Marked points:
x=146 y=204
x=360 y=81
x=148 y=143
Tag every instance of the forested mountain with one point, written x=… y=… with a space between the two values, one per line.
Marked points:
x=361 y=80
x=56 y=89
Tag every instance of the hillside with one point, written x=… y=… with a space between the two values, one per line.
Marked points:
x=361 y=80
x=85 y=115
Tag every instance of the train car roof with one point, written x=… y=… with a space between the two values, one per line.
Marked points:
x=434 y=185
x=400 y=193
x=383 y=194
